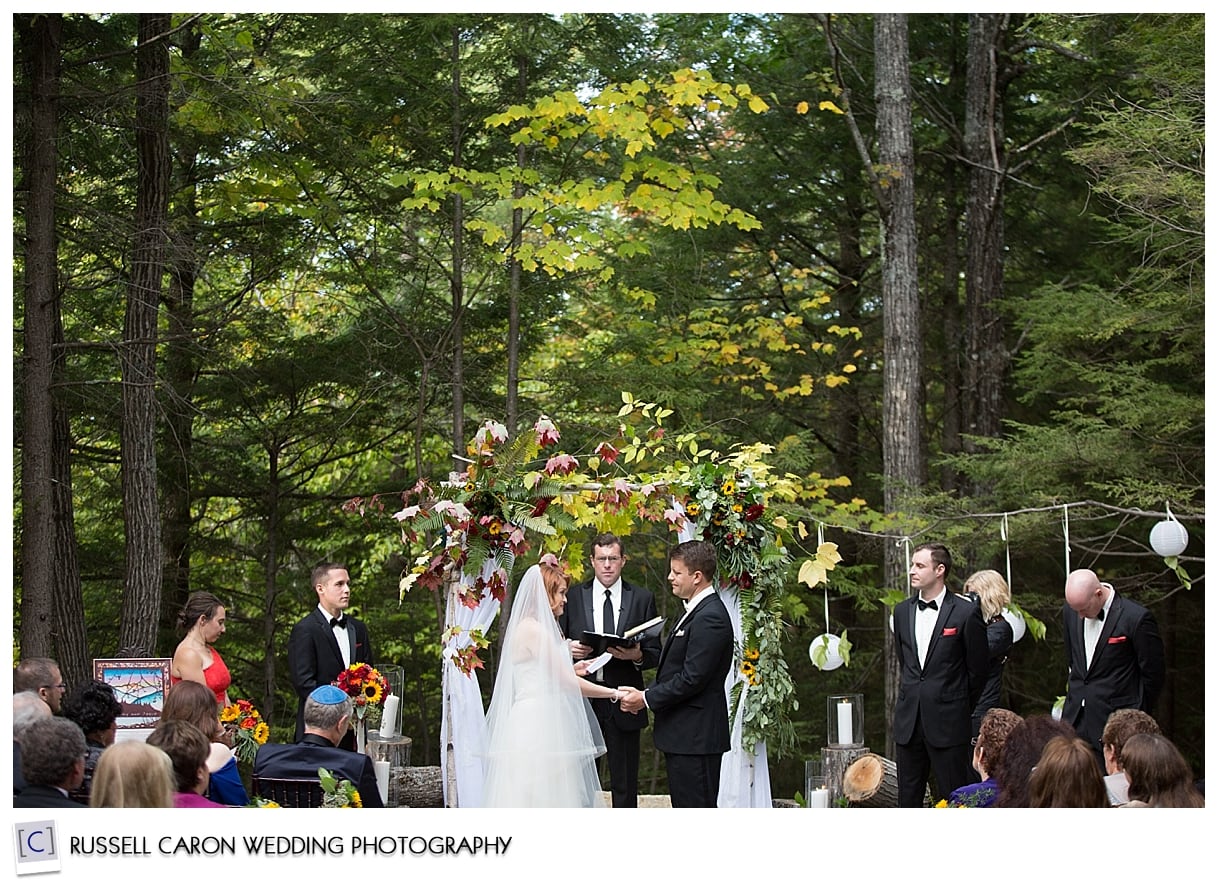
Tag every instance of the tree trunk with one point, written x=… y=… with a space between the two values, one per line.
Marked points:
x=985 y=156
x=40 y=37
x=457 y=285
x=141 y=511
x=904 y=458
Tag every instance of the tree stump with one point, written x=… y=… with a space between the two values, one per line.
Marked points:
x=836 y=761
x=420 y=787
x=871 y=782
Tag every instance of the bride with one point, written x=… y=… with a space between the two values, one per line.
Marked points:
x=542 y=738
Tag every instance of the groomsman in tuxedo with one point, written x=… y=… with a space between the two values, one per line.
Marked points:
x=689 y=697
x=326 y=641
x=1113 y=653
x=609 y=604
x=943 y=660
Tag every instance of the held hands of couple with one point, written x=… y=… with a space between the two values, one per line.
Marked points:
x=631 y=700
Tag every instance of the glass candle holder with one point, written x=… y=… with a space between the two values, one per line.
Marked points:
x=391 y=710
x=816 y=792
x=845 y=720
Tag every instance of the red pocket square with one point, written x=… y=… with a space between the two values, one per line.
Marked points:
x=949 y=632
x=1120 y=639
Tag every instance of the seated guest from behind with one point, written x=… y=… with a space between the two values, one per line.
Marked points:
x=1020 y=754
x=1122 y=725
x=28 y=708
x=996 y=725
x=1066 y=776
x=132 y=774
x=195 y=703
x=187 y=748
x=93 y=707
x=52 y=762
x=1159 y=775
x=327 y=718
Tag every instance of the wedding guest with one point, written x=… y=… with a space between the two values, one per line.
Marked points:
x=993 y=595
x=52 y=763
x=187 y=748
x=40 y=675
x=28 y=708
x=202 y=620
x=132 y=774
x=1122 y=725
x=327 y=718
x=195 y=703
x=996 y=725
x=93 y=707
x=1159 y=776
x=1019 y=756
x=1066 y=776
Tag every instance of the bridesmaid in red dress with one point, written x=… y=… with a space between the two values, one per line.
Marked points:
x=202 y=618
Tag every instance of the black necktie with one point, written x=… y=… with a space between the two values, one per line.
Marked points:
x=341 y=622
x=608 y=614
x=927 y=604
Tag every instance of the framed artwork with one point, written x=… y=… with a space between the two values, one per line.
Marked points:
x=139 y=685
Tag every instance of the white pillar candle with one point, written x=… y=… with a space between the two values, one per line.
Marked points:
x=389 y=717
x=818 y=798
x=382 y=779
x=845 y=723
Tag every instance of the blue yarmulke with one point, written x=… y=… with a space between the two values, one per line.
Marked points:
x=328 y=694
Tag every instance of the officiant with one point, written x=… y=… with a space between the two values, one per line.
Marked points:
x=609 y=605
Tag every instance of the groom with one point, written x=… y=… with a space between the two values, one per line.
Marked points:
x=688 y=697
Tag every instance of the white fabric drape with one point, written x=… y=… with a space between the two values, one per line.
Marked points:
x=464 y=726
x=744 y=776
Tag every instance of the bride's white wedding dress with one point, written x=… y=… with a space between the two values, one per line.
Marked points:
x=542 y=738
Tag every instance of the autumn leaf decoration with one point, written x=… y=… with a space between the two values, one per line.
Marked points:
x=815 y=570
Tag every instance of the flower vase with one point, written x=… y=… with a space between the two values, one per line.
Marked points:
x=361 y=735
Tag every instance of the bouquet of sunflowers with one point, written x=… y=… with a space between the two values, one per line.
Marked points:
x=248 y=728
x=368 y=688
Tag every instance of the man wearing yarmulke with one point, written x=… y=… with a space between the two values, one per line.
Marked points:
x=327 y=717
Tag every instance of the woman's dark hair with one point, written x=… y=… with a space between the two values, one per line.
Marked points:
x=92 y=706
x=1158 y=773
x=1022 y=751
x=199 y=603
x=194 y=703
x=187 y=747
x=1067 y=776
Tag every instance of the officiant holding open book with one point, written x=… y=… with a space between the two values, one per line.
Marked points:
x=609 y=605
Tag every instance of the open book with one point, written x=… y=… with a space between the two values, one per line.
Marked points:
x=600 y=642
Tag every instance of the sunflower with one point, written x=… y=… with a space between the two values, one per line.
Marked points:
x=693 y=510
x=355 y=802
x=229 y=713
x=372 y=691
x=262 y=732
x=752 y=654
x=728 y=488
x=747 y=670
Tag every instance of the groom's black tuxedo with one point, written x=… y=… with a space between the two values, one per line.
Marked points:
x=620 y=729
x=931 y=723
x=689 y=700
x=314 y=658
x=1126 y=670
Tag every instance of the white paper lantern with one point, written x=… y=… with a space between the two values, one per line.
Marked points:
x=1168 y=537
x=830 y=642
x=1018 y=625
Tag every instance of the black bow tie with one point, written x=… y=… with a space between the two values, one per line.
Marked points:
x=341 y=622
x=928 y=604
x=1099 y=616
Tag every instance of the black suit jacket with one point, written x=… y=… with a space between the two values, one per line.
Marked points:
x=944 y=690
x=689 y=697
x=303 y=759
x=1127 y=669
x=637 y=606
x=314 y=657
x=40 y=796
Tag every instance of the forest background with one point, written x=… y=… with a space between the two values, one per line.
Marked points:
x=265 y=264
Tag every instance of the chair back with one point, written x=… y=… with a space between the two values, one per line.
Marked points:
x=289 y=792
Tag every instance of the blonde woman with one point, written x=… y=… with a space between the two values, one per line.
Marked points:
x=132 y=774
x=989 y=589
